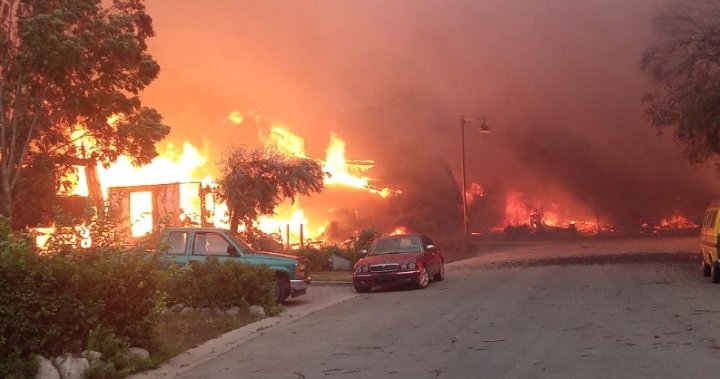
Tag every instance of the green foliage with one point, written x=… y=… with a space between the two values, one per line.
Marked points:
x=684 y=68
x=254 y=182
x=221 y=285
x=115 y=362
x=319 y=257
x=68 y=63
x=50 y=304
x=364 y=239
x=104 y=298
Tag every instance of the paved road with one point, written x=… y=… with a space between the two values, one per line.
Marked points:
x=652 y=319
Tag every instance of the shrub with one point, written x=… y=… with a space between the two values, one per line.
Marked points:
x=49 y=304
x=215 y=284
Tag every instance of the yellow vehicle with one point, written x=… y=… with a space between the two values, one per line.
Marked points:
x=709 y=238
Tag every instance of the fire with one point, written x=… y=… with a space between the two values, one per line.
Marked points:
x=519 y=211
x=677 y=221
x=189 y=166
x=286 y=142
x=474 y=192
x=399 y=230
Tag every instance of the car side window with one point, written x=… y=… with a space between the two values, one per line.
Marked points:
x=178 y=243
x=207 y=243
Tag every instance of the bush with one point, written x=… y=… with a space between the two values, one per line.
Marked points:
x=319 y=258
x=49 y=304
x=222 y=285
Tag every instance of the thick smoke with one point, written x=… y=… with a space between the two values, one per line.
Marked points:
x=558 y=81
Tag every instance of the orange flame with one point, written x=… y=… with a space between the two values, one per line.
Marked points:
x=678 y=221
x=399 y=230
x=189 y=166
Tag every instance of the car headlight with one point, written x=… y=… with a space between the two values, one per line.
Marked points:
x=358 y=269
x=366 y=268
x=412 y=265
x=404 y=266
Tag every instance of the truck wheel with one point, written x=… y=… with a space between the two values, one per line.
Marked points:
x=715 y=273
x=280 y=290
x=706 y=267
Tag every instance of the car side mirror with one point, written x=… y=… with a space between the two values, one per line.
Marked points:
x=363 y=252
x=232 y=251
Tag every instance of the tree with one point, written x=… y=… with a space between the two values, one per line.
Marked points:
x=254 y=182
x=67 y=67
x=683 y=64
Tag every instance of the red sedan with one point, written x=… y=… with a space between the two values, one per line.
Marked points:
x=406 y=258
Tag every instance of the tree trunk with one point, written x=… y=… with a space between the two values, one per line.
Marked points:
x=6 y=199
x=94 y=189
x=234 y=222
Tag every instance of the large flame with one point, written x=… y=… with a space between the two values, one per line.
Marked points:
x=189 y=165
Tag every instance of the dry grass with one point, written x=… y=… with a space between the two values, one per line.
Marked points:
x=182 y=331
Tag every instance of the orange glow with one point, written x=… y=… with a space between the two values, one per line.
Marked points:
x=189 y=165
x=341 y=172
x=400 y=230
x=678 y=221
x=519 y=211
x=286 y=142
x=474 y=192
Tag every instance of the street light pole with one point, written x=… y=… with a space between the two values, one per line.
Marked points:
x=483 y=128
x=462 y=167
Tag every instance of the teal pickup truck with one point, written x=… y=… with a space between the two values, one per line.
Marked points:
x=190 y=244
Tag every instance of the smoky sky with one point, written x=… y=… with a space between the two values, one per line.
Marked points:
x=558 y=81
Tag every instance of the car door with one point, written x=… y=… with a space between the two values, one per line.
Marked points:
x=432 y=255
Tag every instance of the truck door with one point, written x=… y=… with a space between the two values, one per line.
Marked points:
x=211 y=244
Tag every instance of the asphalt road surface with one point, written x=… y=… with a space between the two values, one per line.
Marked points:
x=557 y=310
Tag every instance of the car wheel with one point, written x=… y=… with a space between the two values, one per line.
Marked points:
x=440 y=276
x=706 y=268
x=280 y=289
x=424 y=279
x=361 y=289
x=715 y=273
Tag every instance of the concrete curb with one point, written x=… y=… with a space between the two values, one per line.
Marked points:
x=211 y=349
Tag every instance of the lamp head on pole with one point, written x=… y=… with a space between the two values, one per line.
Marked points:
x=483 y=127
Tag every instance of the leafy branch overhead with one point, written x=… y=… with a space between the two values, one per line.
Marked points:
x=683 y=65
x=67 y=68
x=254 y=182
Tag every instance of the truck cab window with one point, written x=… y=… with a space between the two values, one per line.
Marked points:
x=210 y=244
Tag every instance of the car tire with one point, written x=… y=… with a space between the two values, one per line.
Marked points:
x=706 y=268
x=423 y=279
x=361 y=289
x=280 y=289
x=440 y=276
x=715 y=273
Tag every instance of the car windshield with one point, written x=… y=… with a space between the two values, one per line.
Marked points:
x=396 y=244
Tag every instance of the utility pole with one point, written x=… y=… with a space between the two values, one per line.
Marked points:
x=482 y=128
